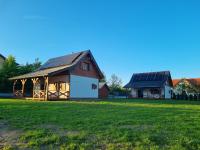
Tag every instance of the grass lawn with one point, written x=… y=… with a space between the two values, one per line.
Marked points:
x=113 y=124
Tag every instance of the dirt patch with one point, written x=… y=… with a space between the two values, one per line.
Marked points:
x=58 y=130
x=8 y=137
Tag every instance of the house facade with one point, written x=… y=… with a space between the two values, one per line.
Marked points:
x=156 y=85
x=2 y=59
x=68 y=77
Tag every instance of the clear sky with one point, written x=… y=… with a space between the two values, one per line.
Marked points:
x=125 y=36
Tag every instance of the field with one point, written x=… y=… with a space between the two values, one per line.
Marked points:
x=113 y=124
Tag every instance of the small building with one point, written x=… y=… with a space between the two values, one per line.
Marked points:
x=157 y=85
x=103 y=90
x=2 y=60
x=71 y=76
x=189 y=85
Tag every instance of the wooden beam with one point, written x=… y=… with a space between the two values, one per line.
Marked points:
x=34 y=80
x=58 y=89
x=23 y=84
x=14 y=83
x=46 y=87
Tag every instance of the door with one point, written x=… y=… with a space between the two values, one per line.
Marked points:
x=140 y=93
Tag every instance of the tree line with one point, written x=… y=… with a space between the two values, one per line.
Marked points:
x=11 y=68
x=116 y=86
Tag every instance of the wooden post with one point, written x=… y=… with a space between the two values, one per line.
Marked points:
x=58 y=89
x=34 y=80
x=23 y=83
x=46 y=87
x=14 y=83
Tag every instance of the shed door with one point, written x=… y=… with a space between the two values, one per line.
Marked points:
x=140 y=93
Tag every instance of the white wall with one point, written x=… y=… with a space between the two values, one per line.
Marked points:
x=134 y=93
x=168 y=92
x=81 y=87
x=147 y=94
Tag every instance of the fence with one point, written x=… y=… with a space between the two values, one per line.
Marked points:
x=184 y=96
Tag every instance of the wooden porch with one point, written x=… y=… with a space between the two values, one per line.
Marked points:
x=41 y=89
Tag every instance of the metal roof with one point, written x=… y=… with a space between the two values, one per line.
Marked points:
x=149 y=79
x=61 y=61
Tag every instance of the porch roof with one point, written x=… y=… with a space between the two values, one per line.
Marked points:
x=41 y=73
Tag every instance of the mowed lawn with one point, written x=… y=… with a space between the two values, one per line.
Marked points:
x=113 y=124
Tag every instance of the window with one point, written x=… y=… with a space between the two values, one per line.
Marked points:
x=94 y=86
x=52 y=87
x=62 y=86
x=85 y=66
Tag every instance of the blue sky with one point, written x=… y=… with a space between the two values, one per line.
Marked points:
x=125 y=36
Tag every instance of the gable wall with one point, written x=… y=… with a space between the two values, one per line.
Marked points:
x=93 y=73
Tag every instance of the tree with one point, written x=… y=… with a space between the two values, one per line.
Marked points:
x=23 y=69
x=185 y=86
x=11 y=68
x=8 y=70
x=115 y=82
x=115 y=85
x=37 y=64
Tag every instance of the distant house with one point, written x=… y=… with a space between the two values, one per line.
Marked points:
x=103 y=90
x=193 y=85
x=151 y=85
x=72 y=76
x=2 y=59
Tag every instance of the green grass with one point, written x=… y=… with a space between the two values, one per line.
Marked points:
x=113 y=124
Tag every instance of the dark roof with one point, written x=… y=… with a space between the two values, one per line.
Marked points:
x=59 y=64
x=102 y=84
x=39 y=73
x=2 y=57
x=62 y=61
x=149 y=80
